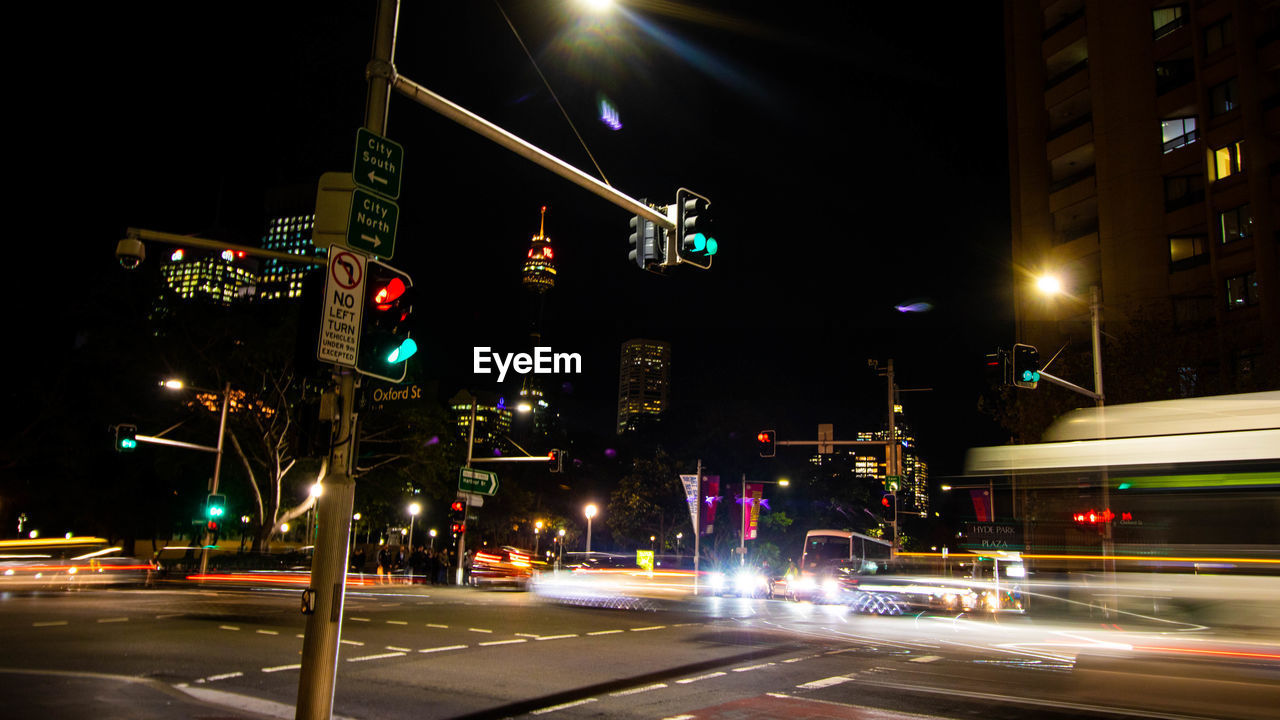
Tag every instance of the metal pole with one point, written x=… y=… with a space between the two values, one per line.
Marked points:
x=1108 y=544
x=891 y=459
x=318 y=674
x=588 y=536
x=217 y=473
x=697 y=533
x=742 y=531
x=462 y=536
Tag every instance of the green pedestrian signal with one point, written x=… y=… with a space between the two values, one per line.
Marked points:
x=126 y=438
x=216 y=506
x=1026 y=366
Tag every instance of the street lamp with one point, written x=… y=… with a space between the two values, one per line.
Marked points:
x=177 y=384
x=590 y=511
x=537 y=528
x=414 y=509
x=679 y=537
x=432 y=533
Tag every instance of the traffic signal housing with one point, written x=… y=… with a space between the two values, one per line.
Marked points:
x=1026 y=366
x=458 y=517
x=996 y=368
x=385 y=341
x=768 y=443
x=889 y=503
x=557 y=460
x=126 y=438
x=215 y=509
x=646 y=250
x=695 y=237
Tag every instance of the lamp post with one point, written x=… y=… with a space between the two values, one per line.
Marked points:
x=432 y=533
x=560 y=548
x=414 y=509
x=176 y=384
x=679 y=537
x=590 y=511
x=537 y=529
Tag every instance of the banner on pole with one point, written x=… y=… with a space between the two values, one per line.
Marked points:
x=751 y=510
x=691 y=496
x=710 y=500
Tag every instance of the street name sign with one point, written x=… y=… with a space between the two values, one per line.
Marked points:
x=371 y=225
x=379 y=163
x=339 y=341
x=483 y=482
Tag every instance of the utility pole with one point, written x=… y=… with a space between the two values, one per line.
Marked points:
x=318 y=674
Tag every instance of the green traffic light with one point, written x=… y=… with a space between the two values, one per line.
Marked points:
x=404 y=351
x=1030 y=376
x=699 y=242
x=128 y=444
x=712 y=246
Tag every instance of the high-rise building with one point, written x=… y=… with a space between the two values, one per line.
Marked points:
x=1143 y=143
x=493 y=419
x=290 y=222
x=539 y=277
x=220 y=278
x=643 y=382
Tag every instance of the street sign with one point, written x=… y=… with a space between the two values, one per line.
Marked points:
x=992 y=536
x=893 y=482
x=477 y=481
x=333 y=209
x=379 y=396
x=339 y=341
x=371 y=225
x=379 y=163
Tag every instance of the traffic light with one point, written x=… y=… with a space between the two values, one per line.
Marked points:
x=215 y=509
x=997 y=368
x=889 y=502
x=695 y=236
x=557 y=460
x=385 y=341
x=768 y=442
x=126 y=438
x=1026 y=366
x=458 y=517
x=646 y=251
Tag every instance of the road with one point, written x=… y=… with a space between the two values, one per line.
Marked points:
x=435 y=652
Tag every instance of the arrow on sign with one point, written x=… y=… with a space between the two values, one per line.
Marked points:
x=376 y=241
x=375 y=178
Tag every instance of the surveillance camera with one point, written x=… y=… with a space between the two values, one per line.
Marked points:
x=130 y=252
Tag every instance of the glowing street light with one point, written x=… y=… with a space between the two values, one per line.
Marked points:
x=432 y=533
x=414 y=509
x=590 y=511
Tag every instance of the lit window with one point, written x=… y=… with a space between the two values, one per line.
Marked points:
x=1242 y=290
x=1228 y=160
x=1167 y=19
x=1235 y=224
x=1223 y=98
x=1218 y=36
x=1178 y=132
x=1185 y=247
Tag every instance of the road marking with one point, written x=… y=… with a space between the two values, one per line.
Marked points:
x=925 y=658
x=685 y=624
x=442 y=648
x=680 y=717
x=113 y=620
x=791 y=660
x=397 y=622
x=224 y=676
x=303 y=635
x=350 y=642
x=645 y=629
x=753 y=667
x=169 y=615
x=635 y=691
x=380 y=656
x=437 y=625
x=604 y=632
x=267 y=632
x=356 y=619
x=50 y=623
x=556 y=637
x=824 y=682
x=482 y=630
x=503 y=642
x=708 y=676
x=228 y=627
x=278 y=668
x=562 y=706
x=400 y=649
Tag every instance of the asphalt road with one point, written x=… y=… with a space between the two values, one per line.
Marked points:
x=454 y=652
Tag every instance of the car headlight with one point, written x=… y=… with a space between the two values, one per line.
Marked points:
x=716 y=580
x=806 y=584
x=747 y=581
x=830 y=586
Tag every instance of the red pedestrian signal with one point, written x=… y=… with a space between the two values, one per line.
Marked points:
x=768 y=442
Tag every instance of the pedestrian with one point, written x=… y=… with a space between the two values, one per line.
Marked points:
x=444 y=568
x=357 y=560
x=433 y=566
x=417 y=566
x=384 y=565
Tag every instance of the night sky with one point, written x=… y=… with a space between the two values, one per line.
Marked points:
x=854 y=153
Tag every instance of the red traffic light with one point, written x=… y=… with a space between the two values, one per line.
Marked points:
x=386 y=295
x=457 y=506
x=458 y=528
x=885 y=501
x=767 y=441
x=764 y=437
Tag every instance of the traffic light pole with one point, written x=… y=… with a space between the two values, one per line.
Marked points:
x=217 y=472
x=318 y=673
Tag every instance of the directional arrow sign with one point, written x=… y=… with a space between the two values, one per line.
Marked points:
x=379 y=163
x=371 y=225
x=477 y=481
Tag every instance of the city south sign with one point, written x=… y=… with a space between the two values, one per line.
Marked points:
x=379 y=163
x=371 y=224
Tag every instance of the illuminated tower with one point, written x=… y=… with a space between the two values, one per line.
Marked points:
x=539 y=277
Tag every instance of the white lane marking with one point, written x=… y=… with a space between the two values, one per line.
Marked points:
x=267 y=632
x=113 y=620
x=680 y=717
x=399 y=649
x=562 y=706
x=303 y=635
x=503 y=642
x=556 y=637
x=685 y=624
x=635 y=691
x=350 y=642
x=480 y=630
x=278 y=668
x=223 y=676
x=397 y=622
x=359 y=619
x=753 y=667
x=792 y=660
x=926 y=658
x=443 y=648
x=646 y=629
x=379 y=656
x=50 y=623
x=605 y=632
x=228 y=627
x=708 y=676
x=437 y=625
x=824 y=682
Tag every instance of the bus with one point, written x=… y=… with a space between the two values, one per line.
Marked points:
x=824 y=551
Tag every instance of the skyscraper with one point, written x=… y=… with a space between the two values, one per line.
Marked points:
x=1143 y=162
x=539 y=278
x=290 y=223
x=643 y=380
